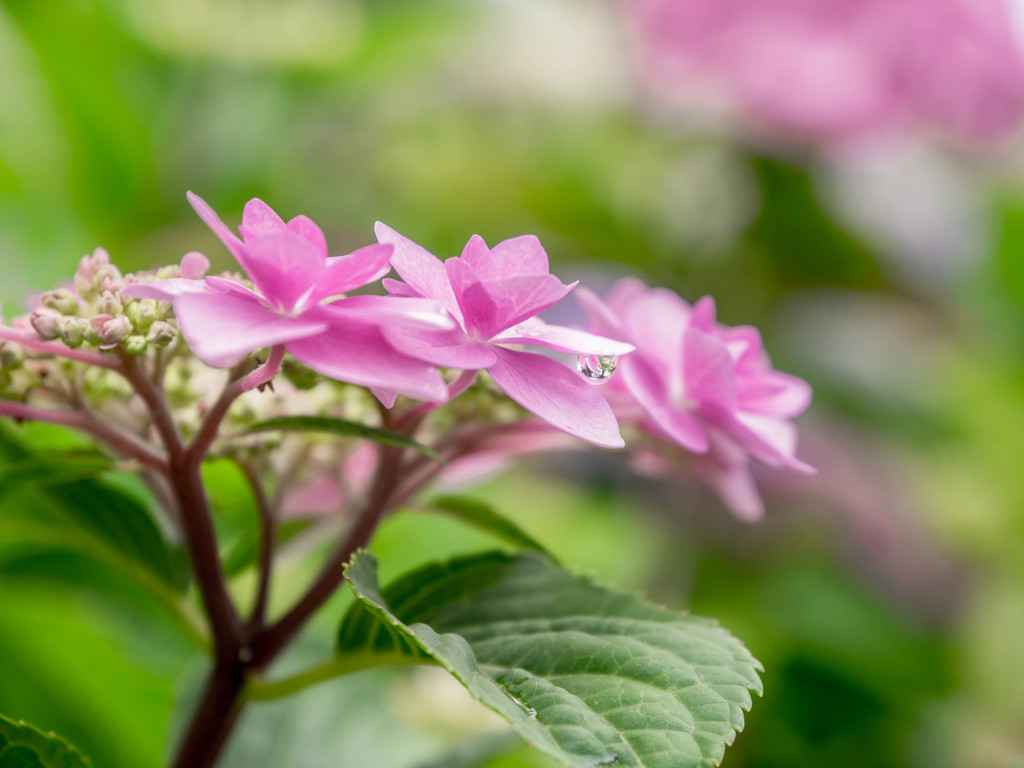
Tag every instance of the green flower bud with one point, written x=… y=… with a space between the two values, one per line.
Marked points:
x=11 y=356
x=142 y=313
x=135 y=344
x=72 y=330
x=61 y=300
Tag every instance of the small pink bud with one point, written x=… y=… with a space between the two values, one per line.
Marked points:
x=111 y=330
x=44 y=321
x=194 y=265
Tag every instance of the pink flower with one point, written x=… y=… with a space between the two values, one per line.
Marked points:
x=703 y=386
x=494 y=296
x=824 y=69
x=298 y=302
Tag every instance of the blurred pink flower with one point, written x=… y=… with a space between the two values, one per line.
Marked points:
x=298 y=302
x=494 y=296
x=703 y=386
x=834 y=68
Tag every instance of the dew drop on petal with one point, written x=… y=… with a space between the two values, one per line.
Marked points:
x=597 y=368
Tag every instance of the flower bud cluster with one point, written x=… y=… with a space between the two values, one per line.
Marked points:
x=91 y=312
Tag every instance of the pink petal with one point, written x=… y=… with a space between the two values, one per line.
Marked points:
x=286 y=269
x=655 y=321
x=304 y=227
x=451 y=349
x=394 y=310
x=221 y=328
x=702 y=316
x=164 y=290
x=398 y=288
x=625 y=293
x=773 y=393
x=479 y=311
x=727 y=470
x=561 y=339
x=258 y=218
x=651 y=390
x=359 y=353
x=708 y=369
x=208 y=215
x=419 y=268
x=772 y=441
x=490 y=307
x=522 y=255
x=354 y=270
x=602 y=319
x=556 y=394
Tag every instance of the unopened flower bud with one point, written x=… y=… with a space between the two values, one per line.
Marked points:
x=111 y=330
x=142 y=313
x=107 y=278
x=166 y=273
x=194 y=265
x=160 y=334
x=44 y=321
x=72 y=330
x=11 y=355
x=135 y=344
x=110 y=304
x=87 y=268
x=61 y=300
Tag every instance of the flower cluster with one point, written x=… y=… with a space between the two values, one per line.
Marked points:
x=702 y=386
x=684 y=382
x=824 y=69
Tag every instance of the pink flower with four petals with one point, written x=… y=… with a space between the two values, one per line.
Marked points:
x=494 y=295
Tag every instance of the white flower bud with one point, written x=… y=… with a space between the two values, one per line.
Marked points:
x=161 y=334
x=61 y=300
x=44 y=321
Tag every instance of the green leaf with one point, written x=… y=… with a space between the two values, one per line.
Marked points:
x=55 y=469
x=484 y=516
x=587 y=675
x=88 y=505
x=25 y=746
x=344 y=428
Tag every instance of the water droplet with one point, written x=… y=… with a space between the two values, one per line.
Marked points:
x=597 y=368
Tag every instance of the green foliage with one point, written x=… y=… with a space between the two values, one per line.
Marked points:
x=25 y=746
x=484 y=517
x=585 y=674
x=343 y=428
x=55 y=500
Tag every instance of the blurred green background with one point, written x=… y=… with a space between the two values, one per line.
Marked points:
x=885 y=597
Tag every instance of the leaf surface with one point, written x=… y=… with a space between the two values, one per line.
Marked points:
x=25 y=746
x=588 y=675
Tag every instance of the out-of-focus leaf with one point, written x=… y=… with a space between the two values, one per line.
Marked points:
x=344 y=428
x=88 y=505
x=586 y=675
x=483 y=516
x=25 y=746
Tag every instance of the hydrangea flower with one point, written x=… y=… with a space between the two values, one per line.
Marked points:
x=298 y=301
x=494 y=295
x=824 y=69
x=703 y=386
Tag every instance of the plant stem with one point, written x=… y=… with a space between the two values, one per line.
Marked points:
x=268 y=534
x=266 y=646
x=214 y=717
